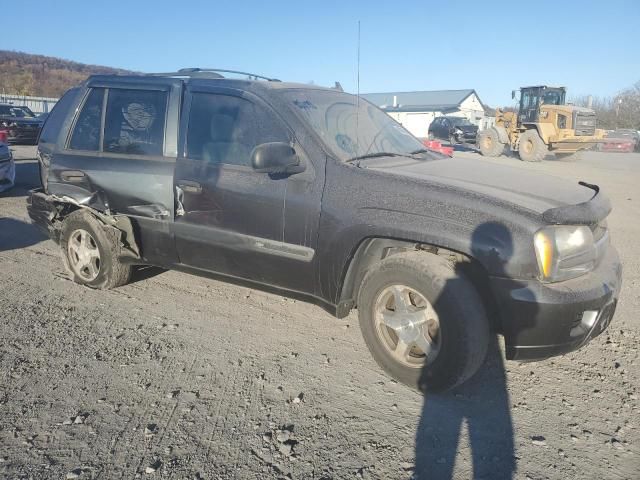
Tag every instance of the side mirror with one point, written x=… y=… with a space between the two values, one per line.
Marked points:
x=276 y=157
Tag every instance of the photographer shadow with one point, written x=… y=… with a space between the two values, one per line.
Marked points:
x=481 y=405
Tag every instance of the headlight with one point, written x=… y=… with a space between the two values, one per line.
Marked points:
x=564 y=252
x=457 y=131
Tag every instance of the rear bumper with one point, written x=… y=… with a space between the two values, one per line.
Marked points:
x=543 y=320
x=42 y=211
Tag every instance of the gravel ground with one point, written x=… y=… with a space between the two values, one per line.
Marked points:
x=177 y=376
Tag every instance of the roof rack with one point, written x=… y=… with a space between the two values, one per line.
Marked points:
x=211 y=73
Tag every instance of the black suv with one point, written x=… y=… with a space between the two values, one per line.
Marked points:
x=454 y=130
x=21 y=124
x=316 y=194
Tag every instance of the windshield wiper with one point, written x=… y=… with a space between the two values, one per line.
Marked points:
x=373 y=155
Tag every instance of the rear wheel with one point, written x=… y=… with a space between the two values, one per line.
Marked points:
x=90 y=255
x=531 y=147
x=423 y=322
x=489 y=143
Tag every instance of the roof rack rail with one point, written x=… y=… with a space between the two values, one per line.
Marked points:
x=212 y=73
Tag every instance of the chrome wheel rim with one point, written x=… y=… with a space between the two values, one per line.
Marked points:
x=407 y=326
x=83 y=254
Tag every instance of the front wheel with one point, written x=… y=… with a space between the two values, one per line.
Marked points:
x=531 y=148
x=423 y=321
x=488 y=142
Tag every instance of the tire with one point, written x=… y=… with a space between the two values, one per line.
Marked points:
x=462 y=336
x=569 y=157
x=489 y=144
x=531 y=148
x=452 y=140
x=81 y=239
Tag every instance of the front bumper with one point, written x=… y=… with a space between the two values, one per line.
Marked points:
x=465 y=138
x=543 y=320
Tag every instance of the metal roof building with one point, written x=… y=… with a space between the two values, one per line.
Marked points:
x=416 y=110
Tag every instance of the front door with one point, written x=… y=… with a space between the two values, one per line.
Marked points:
x=529 y=105
x=230 y=218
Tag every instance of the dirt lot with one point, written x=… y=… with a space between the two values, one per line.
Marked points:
x=176 y=376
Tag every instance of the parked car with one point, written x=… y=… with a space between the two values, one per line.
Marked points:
x=21 y=124
x=314 y=194
x=455 y=130
x=7 y=168
x=623 y=139
x=617 y=145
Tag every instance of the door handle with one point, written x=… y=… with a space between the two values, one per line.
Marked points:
x=189 y=186
x=73 y=176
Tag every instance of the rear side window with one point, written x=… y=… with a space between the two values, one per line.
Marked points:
x=225 y=129
x=56 y=117
x=135 y=122
x=86 y=132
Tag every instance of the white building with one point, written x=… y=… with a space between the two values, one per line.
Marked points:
x=416 y=110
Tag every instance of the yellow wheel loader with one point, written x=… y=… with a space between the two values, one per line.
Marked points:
x=543 y=124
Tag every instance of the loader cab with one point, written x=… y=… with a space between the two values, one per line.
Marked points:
x=531 y=98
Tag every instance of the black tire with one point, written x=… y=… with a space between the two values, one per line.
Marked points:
x=569 y=157
x=112 y=272
x=452 y=140
x=489 y=144
x=464 y=328
x=531 y=148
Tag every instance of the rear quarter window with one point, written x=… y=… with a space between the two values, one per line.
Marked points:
x=51 y=127
x=86 y=131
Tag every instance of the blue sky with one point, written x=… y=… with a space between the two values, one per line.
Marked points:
x=492 y=46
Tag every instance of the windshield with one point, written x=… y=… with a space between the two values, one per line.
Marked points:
x=349 y=130
x=553 y=97
x=456 y=121
x=20 y=112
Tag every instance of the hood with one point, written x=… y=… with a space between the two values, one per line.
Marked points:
x=523 y=189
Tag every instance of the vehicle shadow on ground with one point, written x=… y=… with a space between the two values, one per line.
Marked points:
x=27 y=177
x=464 y=147
x=144 y=272
x=481 y=406
x=15 y=234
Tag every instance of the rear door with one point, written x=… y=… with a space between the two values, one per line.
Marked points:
x=232 y=219
x=119 y=156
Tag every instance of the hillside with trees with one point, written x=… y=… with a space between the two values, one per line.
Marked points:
x=42 y=76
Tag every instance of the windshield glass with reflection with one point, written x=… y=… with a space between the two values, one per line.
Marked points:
x=349 y=127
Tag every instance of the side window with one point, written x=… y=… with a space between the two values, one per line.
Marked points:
x=51 y=128
x=134 y=122
x=86 y=132
x=225 y=129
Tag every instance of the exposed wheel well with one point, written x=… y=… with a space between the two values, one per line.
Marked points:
x=373 y=250
x=118 y=225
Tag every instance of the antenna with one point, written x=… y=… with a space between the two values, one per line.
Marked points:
x=358 y=95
